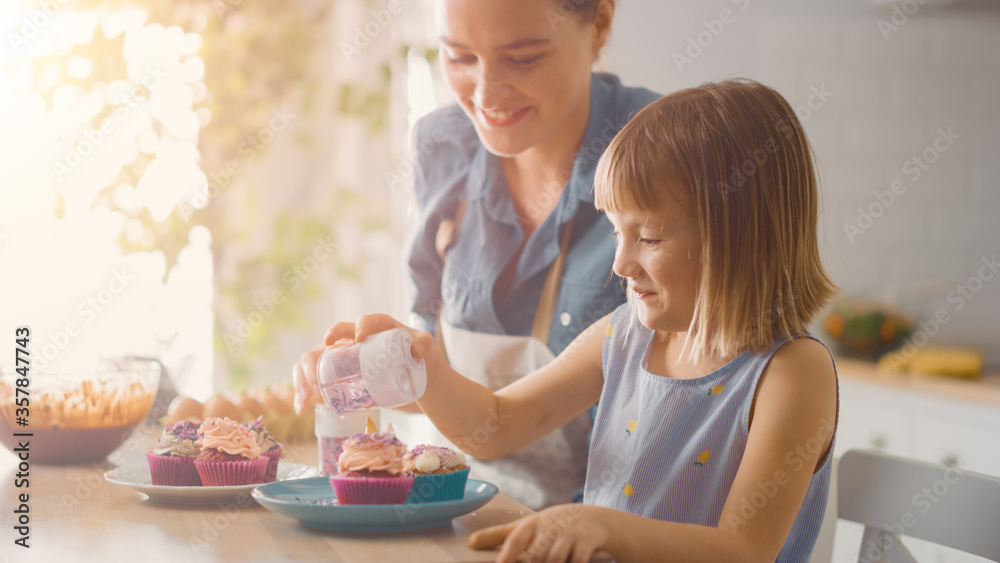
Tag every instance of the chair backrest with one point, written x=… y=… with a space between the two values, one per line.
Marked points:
x=895 y=496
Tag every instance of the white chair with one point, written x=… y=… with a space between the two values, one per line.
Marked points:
x=893 y=496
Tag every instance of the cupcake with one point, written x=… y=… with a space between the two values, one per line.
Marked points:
x=371 y=470
x=171 y=463
x=229 y=454
x=438 y=473
x=269 y=448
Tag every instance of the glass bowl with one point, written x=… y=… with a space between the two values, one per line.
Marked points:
x=81 y=417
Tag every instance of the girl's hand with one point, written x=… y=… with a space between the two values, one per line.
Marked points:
x=423 y=348
x=568 y=532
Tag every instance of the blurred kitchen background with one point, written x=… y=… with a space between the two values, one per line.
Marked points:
x=247 y=188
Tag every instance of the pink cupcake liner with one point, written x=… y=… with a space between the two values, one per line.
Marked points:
x=173 y=471
x=231 y=473
x=272 y=463
x=371 y=490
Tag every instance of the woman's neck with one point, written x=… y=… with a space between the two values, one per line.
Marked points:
x=536 y=177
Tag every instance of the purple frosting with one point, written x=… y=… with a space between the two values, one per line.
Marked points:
x=184 y=430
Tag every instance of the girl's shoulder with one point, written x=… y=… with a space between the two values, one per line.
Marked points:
x=801 y=367
x=805 y=351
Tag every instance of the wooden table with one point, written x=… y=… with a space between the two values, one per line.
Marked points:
x=75 y=515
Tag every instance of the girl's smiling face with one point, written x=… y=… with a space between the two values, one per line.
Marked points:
x=658 y=253
x=520 y=69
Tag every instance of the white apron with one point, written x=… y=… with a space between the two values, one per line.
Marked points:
x=549 y=470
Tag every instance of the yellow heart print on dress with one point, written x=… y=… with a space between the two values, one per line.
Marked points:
x=703 y=457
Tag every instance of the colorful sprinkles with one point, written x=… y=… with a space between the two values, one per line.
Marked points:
x=372 y=438
x=185 y=430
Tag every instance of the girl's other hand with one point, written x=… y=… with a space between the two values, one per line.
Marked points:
x=568 y=532
x=304 y=376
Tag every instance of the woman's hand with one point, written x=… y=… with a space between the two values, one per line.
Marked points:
x=568 y=532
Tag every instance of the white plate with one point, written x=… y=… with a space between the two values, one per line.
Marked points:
x=137 y=477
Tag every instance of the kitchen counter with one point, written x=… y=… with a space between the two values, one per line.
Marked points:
x=985 y=390
x=75 y=515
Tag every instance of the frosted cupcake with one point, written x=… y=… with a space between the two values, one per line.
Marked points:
x=171 y=463
x=438 y=473
x=229 y=454
x=269 y=448
x=371 y=470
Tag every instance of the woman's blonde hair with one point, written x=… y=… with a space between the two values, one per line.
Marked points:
x=735 y=155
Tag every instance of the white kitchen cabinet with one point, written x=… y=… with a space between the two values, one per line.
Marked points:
x=940 y=421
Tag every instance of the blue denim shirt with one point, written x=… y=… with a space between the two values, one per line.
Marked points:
x=452 y=165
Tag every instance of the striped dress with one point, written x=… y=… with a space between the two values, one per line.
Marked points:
x=669 y=448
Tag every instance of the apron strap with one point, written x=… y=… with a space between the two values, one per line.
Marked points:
x=447 y=231
x=446 y=235
x=547 y=304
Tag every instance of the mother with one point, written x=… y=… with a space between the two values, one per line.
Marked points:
x=507 y=255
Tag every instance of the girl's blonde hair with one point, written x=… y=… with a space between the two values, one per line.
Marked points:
x=736 y=157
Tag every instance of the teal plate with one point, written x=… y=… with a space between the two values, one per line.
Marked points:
x=300 y=499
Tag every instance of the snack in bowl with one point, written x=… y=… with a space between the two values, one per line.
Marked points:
x=229 y=454
x=438 y=473
x=269 y=448
x=79 y=417
x=171 y=463
x=371 y=470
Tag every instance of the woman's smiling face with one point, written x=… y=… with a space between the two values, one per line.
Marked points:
x=520 y=68
x=658 y=253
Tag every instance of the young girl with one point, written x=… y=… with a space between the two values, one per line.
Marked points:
x=714 y=431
